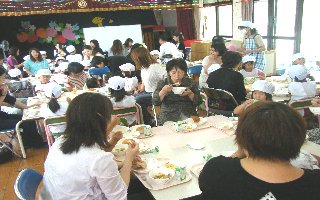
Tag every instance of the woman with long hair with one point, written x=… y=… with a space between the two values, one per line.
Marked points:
x=116 y=49
x=35 y=62
x=127 y=46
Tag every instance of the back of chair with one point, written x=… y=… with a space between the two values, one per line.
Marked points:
x=220 y=99
x=50 y=122
x=27 y=183
x=121 y=112
x=300 y=104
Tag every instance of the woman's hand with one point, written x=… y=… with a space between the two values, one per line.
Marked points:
x=187 y=92
x=166 y=89
x=249 y=101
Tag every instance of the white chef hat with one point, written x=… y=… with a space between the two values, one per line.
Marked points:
x=116 y=83
x=298 y=71
x=43 y=72
x=53 y=90
x=62 y=67
x=14 y=72
x=154 y=52
x=43 y=52
x=70 y=48
x=60 y=58
x=127 y=67
x=213 y=68
x=86 y=63
x=248 y=58
x=297 y=56
x=263 y=86
x=246 y=24
x=27 y=57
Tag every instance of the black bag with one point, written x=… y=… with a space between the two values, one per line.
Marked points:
x=20 y=89
x=5 y=153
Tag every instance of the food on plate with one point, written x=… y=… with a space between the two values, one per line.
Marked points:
x=140 y=129
x=162 y=176
x=127 y=141
x=187 y=126
x=170 y=166
x=91 y=89
x=196 y=119
x=139 y=165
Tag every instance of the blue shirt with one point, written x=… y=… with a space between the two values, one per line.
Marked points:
x=33 y=67
x=99 y=71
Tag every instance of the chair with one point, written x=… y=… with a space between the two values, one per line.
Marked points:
x=27 y=183
x=51 y=122
x=300 y=104
x=121 y=112
x=11 y=133
x=194 y=72
x=220 y=102
x=203 y=107
x=155 y=110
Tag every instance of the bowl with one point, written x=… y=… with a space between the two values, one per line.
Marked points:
x=161 y=176
x=178 y=90
x=120 y=150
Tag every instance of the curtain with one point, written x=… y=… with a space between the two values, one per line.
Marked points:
x=185 y=21
x=247 y=10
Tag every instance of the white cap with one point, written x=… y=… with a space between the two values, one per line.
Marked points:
x=43 y=72
x=14 y=72
x=86 y=63
x=60 y=58
x=298 y=71
x=248 y=58
x=246 y=24
x=116 y=83
x=263 y=86
x=63 y=66
x=213 y=68
x=43 y=52
x=53 y=90
x=128 y=67
x=297 y=56
x=154 y=52
x=27 y=57
x=70 y=48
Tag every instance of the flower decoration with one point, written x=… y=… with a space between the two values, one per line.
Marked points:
x=68 y=26
x=25 y=25
x=75 y=27
x=32 y=27
x=51 y=32
x=52 y=24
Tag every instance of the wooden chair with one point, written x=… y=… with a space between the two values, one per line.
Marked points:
x=136 y=110
x=53 y=122
x=220 y=102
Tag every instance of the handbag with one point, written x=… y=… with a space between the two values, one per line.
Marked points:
x=21 y=89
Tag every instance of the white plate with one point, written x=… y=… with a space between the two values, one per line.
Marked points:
x=201 y=122
x=188 y=127
x=123 y=129
x=226 y=125
x=195 y=145
x=151 y=164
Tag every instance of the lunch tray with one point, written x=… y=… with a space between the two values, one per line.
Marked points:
x=196 y=169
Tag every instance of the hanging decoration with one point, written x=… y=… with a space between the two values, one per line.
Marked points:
x=55 y=33
x=98 y=21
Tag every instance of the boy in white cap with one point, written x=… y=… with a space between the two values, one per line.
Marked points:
x=262 y=90
x=248 y=69
x=44 y=76
x=155 y=55
x=131 y=81
x=300 y=88
x=54 y=108
x=73 y=56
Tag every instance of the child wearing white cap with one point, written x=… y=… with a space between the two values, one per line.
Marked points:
x=248 y=69
x=131 y=81
x=300 y=88
x=119 y=97
x=262 y=90
x=44 y=76
x=15 y=74
x=73 y=56
x=54 y=108
x=155 y=55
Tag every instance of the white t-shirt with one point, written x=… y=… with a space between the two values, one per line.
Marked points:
x=168 y=48
x=152 y=75
x=45 y=112
x=254 y=73
x=74 y=58
x=130 y=84
x=127 y=102
x=302 y=90
x=90 y=173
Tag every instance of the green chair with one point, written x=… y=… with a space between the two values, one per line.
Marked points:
x=51 y=122
x=122 y=112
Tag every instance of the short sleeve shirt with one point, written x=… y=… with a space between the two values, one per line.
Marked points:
x=33 y=67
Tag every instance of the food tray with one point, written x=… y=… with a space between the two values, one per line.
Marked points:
x=208 y=124
x=147 y=182
x=196 y=169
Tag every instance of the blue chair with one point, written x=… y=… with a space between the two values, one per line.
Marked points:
x=27 y=183
x=195 y=69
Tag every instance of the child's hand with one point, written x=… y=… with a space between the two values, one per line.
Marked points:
x=113 y=122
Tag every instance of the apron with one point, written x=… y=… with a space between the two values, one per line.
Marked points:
x=251 y=45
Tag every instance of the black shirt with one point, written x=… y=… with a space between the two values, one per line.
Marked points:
x=229 y=80
x=224 y=178
x=8 y=99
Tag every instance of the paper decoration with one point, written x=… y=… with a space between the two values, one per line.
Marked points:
x=41 y=33
x=51 y=32
x=97 y=21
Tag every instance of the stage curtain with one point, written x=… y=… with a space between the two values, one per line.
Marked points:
x=185 y=21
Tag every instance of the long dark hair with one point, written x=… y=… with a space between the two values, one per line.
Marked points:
x=117 y=47
x=96 y=44
x=179 y=34
x=118 y=94
x=87 y=118
x=13 y=51
x=126 y=43
x=32 y=58
x=53 y=105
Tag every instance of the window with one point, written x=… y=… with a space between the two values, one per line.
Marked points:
x=261 y=17
x=225 y=20
x=286 y=16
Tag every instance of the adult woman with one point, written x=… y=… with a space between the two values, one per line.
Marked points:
x=35 y=62
x=179 y=42
x=226 y=78
x=12 y=60
x=151 y=74
x=116 y=49
x=213 y=61
x=30 y=136
x=252 y=43
x=96 y=46
x=59 y=52
x=175 y=107
x=127 y=46
x=270 y=134
x=80 y=155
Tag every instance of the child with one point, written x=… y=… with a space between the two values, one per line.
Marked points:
x=77 y=78
x=155 y=55
x=15 y=74
x=262 y=91
x=54 y=108
x=119 y=97
x=204 y=77
x=62 y=67
x=44 y=76
x=248 y=69
x=131 y=81
x=98 y=68
x=300 y=88
x=73 y=56
x=92 y=83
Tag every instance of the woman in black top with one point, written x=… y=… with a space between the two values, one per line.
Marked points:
x=269 y=135
x=179 y=42
x=96 y=47
x=227 y=79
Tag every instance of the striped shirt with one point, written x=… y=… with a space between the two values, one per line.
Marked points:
x=77 y=82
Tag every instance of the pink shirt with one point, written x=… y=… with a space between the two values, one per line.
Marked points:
x=11 y=62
